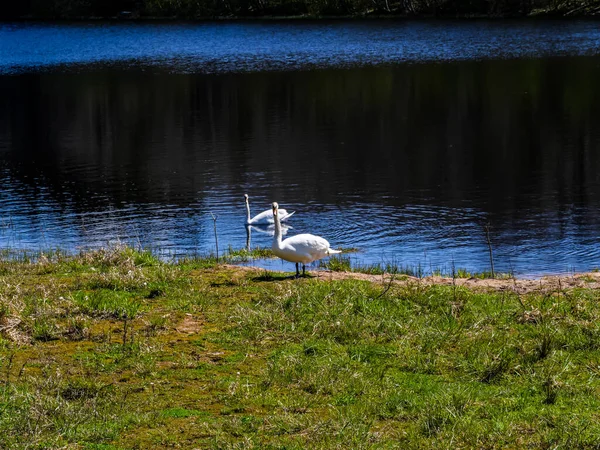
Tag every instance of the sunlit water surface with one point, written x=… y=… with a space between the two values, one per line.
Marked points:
x=402 y=139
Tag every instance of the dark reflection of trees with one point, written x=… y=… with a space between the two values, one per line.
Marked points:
x=192 y=9
x=503 y=135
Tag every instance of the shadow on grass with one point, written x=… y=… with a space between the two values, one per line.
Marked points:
x=270 y=276
x=225 y=283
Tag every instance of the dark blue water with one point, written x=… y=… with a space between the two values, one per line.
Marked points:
x=403 y=139
x=288 y=45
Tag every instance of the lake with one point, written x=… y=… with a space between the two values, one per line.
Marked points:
x=403 y=139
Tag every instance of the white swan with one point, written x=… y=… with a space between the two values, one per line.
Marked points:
x=302 y=248
x=265 y=217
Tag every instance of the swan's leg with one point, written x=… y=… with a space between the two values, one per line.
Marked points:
x=297 y=271
x=303 y=270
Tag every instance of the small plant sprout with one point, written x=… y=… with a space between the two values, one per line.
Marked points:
x=489 y=243
x=214 y=218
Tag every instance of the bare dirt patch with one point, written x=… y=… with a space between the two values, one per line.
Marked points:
x=546 y=284
x=189 y=325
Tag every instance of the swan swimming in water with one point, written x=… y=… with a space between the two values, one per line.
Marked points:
x=302 y=248
x=265 y=217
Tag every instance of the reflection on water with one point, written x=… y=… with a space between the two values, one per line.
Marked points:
x=407 y=162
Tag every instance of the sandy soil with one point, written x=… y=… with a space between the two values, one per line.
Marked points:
x=189 y=325
x=545 y=284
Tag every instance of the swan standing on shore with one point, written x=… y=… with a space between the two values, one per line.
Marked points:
x=265 y=217
x=302 y=248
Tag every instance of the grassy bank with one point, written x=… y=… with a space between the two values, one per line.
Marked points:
x=195 y=9
x=117 y=350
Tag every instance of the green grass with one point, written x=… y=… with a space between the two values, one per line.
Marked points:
x=343 y=263
x=118 y=350
x=231 y=256
x=243 y=255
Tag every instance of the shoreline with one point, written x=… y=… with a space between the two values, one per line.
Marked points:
x=544 y=284
x=243 y=262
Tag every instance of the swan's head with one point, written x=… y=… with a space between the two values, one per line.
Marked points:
x=246 y=197
x=275 y=208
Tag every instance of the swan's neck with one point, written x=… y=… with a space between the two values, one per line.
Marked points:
x=247 y=211
x=277 y=235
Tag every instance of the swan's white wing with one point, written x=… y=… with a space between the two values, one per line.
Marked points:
x=305 y=248
x=284 y=215
x=266 y=217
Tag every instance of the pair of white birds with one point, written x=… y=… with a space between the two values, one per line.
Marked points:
x=300 y=249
